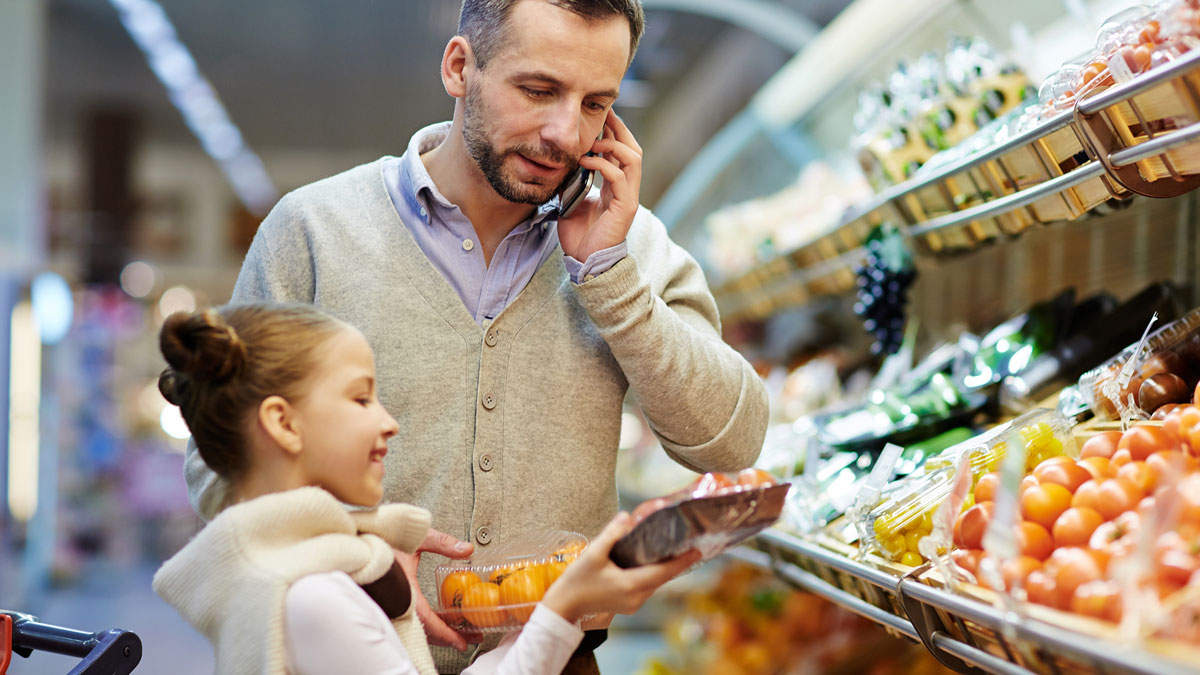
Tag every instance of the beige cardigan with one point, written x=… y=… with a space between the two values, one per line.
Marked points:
x=230 y=581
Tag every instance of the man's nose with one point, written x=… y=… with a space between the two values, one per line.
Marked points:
x=561 y=127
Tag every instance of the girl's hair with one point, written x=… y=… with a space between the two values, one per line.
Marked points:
x=222 y=363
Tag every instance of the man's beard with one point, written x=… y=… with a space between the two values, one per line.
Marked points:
x=491 y=162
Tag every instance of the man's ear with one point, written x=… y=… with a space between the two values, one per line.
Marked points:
x=458 y=62
x=278 y=418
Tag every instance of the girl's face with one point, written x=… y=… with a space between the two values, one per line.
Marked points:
x=343 y=427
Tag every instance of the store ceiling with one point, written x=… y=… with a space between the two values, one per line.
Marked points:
x=361 y=75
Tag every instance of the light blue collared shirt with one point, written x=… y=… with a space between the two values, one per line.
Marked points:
x=449 y=240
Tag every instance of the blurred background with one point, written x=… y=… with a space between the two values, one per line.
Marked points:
x=141 y=143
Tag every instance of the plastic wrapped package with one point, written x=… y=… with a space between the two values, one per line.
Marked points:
x=1144 y=377
x=496 y=591
x=714 y=513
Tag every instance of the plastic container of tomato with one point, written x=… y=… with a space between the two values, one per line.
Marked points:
x=497 y=591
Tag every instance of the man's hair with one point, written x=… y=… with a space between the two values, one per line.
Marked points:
x=485 y=22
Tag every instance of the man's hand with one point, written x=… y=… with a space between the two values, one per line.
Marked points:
x=603 y=223
x=435 y=629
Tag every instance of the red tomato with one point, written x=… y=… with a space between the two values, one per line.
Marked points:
x=1075 y=526
x=1039 y=588
x=1026 y=483
x=1142 y=441
x=1097 y=466
x=1034 y=540
x=1119 y=459
x=1098 y=599
x=1118 y=495
x=1140 y=475
x=1067 y=474
x=1045 y=503
x=1072 y=567
x=1017 y=570
x=973 y=523
x=1170 y=463
x=1103 y=444
x=967 y=558
x=985 y=489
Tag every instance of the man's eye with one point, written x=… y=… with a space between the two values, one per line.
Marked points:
x=535 y=93
x=596 y=107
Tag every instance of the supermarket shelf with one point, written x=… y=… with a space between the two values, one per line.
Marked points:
x=925 y=607
x=771 y=285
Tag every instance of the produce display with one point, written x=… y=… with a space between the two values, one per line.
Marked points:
x=1146 y=378
x=496 y=592
x=933 y=105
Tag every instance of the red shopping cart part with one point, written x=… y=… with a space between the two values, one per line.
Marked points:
x=110 y=652
x=6 y=625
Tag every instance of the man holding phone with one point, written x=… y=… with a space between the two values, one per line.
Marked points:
x=506 y=333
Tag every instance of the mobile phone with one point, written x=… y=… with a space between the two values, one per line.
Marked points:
x=576 y=188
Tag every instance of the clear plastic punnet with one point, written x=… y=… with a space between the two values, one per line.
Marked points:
x=1159 y=371
x=497 y=590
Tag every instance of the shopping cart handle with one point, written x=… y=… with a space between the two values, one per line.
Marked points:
x=111 y=652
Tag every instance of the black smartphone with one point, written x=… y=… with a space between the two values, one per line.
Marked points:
x=576 y=188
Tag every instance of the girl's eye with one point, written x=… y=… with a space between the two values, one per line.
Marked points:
x=363 y=401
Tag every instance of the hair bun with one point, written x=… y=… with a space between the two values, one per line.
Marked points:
x=200 y=346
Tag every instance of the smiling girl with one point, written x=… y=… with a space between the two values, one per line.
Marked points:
x=281 y=401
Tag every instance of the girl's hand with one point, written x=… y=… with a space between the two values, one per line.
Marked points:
x=593 y=584
x=603 y=223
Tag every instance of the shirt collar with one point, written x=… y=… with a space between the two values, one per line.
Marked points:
x=421 y=185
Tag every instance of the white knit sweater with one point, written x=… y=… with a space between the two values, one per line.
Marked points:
x=230 y=581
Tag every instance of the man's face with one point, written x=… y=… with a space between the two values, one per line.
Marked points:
x=543 y=98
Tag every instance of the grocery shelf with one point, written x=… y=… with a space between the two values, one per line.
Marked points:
x=1102 y=155
x=950 y=625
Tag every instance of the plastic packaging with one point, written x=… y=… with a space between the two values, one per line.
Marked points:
x=1165 y=370
x=710 y=516
x=496 y=592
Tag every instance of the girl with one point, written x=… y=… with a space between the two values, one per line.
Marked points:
x=281 y=402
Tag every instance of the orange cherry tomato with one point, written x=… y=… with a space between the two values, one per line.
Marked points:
x=1117 y=537
x=1075 y=526
x=1034 y=540
x=1196 y=395
x=1142 y=441
x=1103 y=444
x=1189 y=499
x=1097 y=466
x=1017 y=570
x=1170 y=463
x=454 y=589
x=1026 y=483
x=520 y=591
x=985 y=489
x=553 y=570
x=1067 y=474
x=1045 y=503
x=1088 y=494
x=1141 y=475
x=481 y=604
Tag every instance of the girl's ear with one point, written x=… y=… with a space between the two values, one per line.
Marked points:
x=278 y=418
x=458 y=61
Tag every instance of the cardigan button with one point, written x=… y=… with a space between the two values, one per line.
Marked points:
x=483 y=535
x=492 y=337
x=489 y=401
x=485 y=462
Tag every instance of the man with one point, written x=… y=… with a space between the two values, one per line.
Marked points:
x=506 y=337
